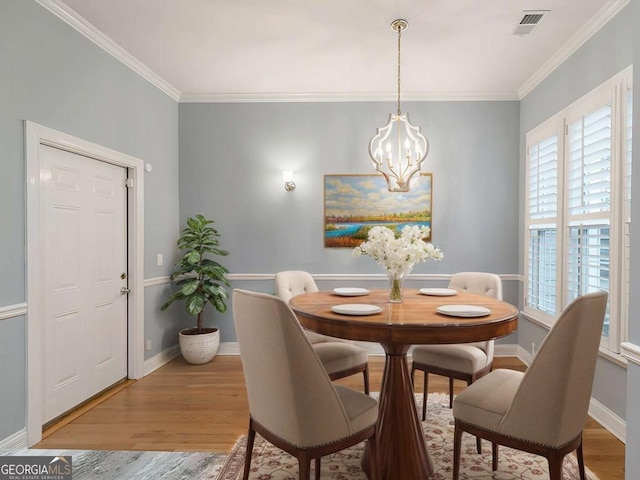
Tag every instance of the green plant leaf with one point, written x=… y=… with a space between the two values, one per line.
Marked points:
x=214 y=291
x=219 y=305
x=195 y=303
x=208 y=263
x=190 y=286
x=216 y=273
x=171 y=299
x=194 y=223
x=193 y=257
x=197 y=274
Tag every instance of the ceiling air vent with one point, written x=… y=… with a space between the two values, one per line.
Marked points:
x=530 y=20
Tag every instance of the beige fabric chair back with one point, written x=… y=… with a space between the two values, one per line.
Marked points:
x=480 y=283
x=294 y=282
x=289 y=391
x=552 y=401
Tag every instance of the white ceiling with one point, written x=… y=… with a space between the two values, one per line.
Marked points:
x=346 y=49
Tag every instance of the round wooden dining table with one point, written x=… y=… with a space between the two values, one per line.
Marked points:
x=402 y=450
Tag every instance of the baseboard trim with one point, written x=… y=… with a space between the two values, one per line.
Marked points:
x=161 y=359
x=374 y=349
x=16 y=441
x=164 y=357
x=229 y=348
x=505 y=350
x=608 y=419
x=524 y=355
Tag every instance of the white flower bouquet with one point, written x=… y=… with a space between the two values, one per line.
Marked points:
x=398 y=255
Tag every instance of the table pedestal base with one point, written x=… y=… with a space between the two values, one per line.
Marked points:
x=403 y=452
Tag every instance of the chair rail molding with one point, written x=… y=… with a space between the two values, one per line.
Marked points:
x=12 y=311
x=346 y=277
x=152 y=282
x=631 y=352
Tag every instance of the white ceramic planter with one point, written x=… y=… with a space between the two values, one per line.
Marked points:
x=201 y=348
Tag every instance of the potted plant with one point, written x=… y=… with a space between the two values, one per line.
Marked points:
x=200 y=283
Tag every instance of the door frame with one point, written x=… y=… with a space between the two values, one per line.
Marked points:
x=35 y=135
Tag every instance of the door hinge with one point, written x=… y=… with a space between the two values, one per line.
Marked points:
x=128 y=183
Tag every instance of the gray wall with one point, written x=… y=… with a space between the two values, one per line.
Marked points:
x=54 y=76
x=608 y=52
x=232 y=155
x=633 y=374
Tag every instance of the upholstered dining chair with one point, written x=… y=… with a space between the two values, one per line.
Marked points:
x=292 y=402
x=341 y=358
x=543 y=410
x=465 y=361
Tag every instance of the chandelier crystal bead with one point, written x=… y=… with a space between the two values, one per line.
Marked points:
x=398 y=149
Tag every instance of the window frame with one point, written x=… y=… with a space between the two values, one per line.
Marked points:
x=614 y=91
x=552 y=127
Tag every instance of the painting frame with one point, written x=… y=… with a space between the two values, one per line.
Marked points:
x=354 y=203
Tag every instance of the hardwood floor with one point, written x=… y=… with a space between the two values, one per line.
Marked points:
x=182 y=407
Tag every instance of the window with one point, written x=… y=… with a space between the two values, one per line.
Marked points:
x=577 y=205
x=543 y=211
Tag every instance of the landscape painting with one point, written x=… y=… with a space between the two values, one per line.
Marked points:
x=353 y=204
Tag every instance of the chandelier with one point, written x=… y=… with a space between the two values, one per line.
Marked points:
x=398 y=148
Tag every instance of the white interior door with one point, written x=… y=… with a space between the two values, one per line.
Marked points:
x=84 y=233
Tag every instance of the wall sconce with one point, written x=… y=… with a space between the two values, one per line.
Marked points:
x=289 y=184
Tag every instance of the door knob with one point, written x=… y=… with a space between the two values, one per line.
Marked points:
x=124 y=291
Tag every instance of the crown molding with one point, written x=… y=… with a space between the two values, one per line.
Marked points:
x=72 y=18
x=345 y=97
x=606 y=13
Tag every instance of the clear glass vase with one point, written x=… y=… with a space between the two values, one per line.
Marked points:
x=395 y=287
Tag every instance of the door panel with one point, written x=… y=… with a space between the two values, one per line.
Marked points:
x=85 y=238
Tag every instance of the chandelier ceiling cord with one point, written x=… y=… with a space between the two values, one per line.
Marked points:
x=398 y=149
x=399 y=26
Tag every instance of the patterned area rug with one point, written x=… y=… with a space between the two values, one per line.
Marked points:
x=121 y=465
x=270 y=463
